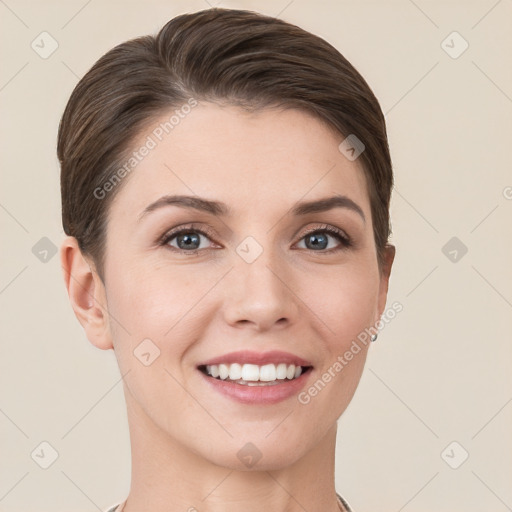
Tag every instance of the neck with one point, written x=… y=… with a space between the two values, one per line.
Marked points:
x=168 y=477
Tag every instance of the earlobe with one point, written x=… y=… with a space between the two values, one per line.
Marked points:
x=86 y=294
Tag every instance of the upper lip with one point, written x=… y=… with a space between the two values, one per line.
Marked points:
x=259 y=358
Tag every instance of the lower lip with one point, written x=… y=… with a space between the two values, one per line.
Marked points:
x=259 y=394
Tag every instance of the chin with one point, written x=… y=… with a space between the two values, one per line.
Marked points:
x=261 y=454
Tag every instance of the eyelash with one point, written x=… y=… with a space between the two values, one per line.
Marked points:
x=345 y=241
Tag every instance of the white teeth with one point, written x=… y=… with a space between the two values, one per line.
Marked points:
x=268 y=373
x=213 y=370
x=253 y=373
x=249 y=372
x=281 y=371
x=235 y=371
x=290 y=372
x=223 y=371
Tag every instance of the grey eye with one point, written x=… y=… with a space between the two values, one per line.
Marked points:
x=187 y=240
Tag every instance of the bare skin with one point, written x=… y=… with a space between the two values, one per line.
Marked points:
x=201 y=303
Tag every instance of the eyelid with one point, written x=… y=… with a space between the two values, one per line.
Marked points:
x=328 y=228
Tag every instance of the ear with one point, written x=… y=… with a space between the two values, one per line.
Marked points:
x=389 y=256
x=86 y=293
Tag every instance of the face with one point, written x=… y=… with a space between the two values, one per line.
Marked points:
x=186 y=286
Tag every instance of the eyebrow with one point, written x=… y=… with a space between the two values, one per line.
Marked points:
x=221 y=209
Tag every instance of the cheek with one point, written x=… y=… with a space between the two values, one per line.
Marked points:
x=345 y=301
x=345 y=304
x=153 y=325
x=157 y=303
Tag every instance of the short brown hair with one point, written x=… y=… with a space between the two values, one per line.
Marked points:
x=221 y=55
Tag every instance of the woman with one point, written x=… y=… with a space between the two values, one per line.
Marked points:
x=225 y=196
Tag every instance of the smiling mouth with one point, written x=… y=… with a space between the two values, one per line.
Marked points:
x=254 y=375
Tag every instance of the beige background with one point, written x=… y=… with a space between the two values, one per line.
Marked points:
x=440 y=371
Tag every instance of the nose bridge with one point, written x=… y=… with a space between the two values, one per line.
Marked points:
x=259 y=292
x=259 y=275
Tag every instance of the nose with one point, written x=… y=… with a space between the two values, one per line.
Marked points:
x=259 y=295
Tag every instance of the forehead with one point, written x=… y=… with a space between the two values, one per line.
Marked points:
x=266 y=159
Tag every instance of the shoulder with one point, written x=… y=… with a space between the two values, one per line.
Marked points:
x=346 y=506
x=342 y=501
